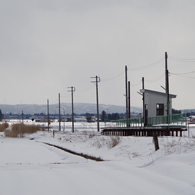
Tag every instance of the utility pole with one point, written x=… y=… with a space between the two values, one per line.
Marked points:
x=72 y=89
x=126 y=92
x=129 y=104
x=129 y=99
x=167 y=87
x=48 y=119
x=97 y=79
x=59 y=113
x=22 y=116
x=64 y=118
x=144 y=108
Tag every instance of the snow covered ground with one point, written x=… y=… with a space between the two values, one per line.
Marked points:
x=30 y=167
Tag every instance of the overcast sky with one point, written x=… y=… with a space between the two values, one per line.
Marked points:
x=50 y=45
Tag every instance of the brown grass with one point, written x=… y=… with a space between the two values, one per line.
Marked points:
x=3 y=126
x=21 y=129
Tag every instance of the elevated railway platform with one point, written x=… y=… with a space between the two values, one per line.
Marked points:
x=155 y=125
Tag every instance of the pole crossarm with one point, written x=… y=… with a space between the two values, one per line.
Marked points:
x=97 y=79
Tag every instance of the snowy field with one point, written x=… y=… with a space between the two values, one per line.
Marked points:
x=30 y=167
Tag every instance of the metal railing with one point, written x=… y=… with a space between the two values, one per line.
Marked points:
x=138 y=122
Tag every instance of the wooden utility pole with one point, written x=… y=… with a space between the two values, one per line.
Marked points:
x=72 y=89
x=155 y=140
x=126 y=92
x=22 y=116
x=129 y=100
x=97 y=80
x=167 y=88
x=59 y=113
x=48 y=119
x=144 y=108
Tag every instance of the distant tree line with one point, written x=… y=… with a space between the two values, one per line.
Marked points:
x=190 y=114
x=110 y=117
x=174 y=111
x=91 y=117
x=1 y=115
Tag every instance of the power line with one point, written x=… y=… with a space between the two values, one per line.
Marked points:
x=87 y=89
x=184 y=73
x=113 y=77
x=182 y=76
x=156 y=79
x=150 y=81
x=146 y=66
x=181 y=59
x=133 y=69
x=136 y=84
x=64 y=96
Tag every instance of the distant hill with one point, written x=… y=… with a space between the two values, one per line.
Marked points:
x=79 y=108
x=188 y=110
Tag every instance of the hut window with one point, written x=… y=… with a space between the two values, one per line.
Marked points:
x=159 y=109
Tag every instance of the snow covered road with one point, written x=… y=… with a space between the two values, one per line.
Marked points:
x=30 y=168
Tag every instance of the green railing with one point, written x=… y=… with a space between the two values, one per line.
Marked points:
x=138 y=122
x=173 y=118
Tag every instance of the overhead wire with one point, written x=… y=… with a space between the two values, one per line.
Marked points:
x=181 y=59
x=113 y=77
x=156 y=79
x=64 y=96
x=184 y=73
x=150 y=81
x=138 y=68
x=190 y=60
x=133 y=69
x=130 y=69
x=146 y=66
x=87 y=89
x=182 y=76
x=135 y=84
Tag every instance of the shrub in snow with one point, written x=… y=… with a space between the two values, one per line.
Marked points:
x=98 y=141
x=109 y=141
x=177 y=145
x=114 y=141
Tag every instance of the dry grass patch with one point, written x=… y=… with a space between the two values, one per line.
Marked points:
x=114 y=141
x=109 y=141
x=3 y=126
x=20 y=129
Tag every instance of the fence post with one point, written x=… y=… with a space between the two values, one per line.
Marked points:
x=155 y=140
